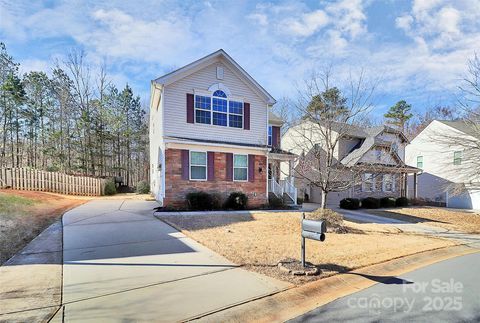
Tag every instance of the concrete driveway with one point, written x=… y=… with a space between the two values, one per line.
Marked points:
x=122 y=264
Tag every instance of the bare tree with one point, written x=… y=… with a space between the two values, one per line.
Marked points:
x=326 y=116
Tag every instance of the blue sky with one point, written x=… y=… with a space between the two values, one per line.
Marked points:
x=417 y=49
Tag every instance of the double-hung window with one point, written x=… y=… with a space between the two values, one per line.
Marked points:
x=218 y=110
x=235 y=114
x=270 y=133
x=368 y=182
x=240 y=167
x=198 y=165
x=419 y=161
x=203 y=109
x=388 y=182
x=219 y=104
x=457 y=157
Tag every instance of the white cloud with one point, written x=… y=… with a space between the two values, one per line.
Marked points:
x=443 y=23
x=306 y=24
x=125 y=36
x=404 y=22
x=259 y=18
x=37 y=65
x=277 y=42
x=348 y=17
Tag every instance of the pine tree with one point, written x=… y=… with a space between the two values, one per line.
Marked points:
x=399 y=114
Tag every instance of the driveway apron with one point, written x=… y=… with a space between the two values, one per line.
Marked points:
x=122 y=264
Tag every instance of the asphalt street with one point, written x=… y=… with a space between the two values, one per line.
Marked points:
x=448 y=291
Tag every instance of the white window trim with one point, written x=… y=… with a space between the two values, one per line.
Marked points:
x=459 y=158
x=423 y=161
x=233 y=168
x=190 y=166
x=364 y=182
x=228 y=99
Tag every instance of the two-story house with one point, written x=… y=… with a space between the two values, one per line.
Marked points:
x=212 y=130
x=369 y=161
x=448 y=152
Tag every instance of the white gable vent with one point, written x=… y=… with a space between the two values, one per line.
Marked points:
x=219 y=72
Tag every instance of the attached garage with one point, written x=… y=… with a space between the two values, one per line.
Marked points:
x=333 y=198
x=468 y=200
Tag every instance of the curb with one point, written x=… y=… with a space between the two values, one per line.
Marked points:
x=299 y=300
x=204 y=213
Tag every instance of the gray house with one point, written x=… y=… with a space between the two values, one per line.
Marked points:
x=372 y=159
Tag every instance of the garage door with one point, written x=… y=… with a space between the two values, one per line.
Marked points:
x=315 y=194
x=460 y=201
x=475 y=197
x=333 y=198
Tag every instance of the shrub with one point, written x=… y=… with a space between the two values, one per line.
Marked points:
x=275 y=202
x=236 y=201
x=200 y=201
x=143 y=187
x=387 y=202
x=110 y=188
x=401 y=201
x=334 y=220
x=299 y=201
x=350 y=203
x=371 y=203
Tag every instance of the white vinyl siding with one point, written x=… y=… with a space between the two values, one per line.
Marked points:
x=175 y=123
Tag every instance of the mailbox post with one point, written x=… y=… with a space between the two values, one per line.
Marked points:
x=314 y=230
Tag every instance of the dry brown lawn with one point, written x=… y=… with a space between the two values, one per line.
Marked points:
x=446 y=218
x=24 y=214
x=260 y=240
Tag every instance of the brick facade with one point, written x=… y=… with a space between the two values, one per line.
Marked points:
x=176 y=188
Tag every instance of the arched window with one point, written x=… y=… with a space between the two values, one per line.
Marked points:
x=220 y=94
x=219 y=109
x=219 y=104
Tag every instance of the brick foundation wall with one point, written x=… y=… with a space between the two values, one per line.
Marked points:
x=176 y=188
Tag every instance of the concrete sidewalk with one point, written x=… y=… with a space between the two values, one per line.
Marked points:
x=122 y=264
x=362 y=216
x=31 y=281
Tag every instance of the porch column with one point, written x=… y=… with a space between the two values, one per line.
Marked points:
x=415 y=184
x=290 y=171
x=405 y=185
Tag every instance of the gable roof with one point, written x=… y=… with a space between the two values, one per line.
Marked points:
x=469 y=129
x=369 y=141
x=273 y=118
x=207 y=60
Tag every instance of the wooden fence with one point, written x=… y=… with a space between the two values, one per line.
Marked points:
x=37 y=180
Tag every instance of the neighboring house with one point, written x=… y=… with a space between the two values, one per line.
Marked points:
x=370 y=159
x=211 y=129
x=450 y=168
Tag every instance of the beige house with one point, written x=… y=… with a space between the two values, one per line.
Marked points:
x=369 y=161
x=212 y=130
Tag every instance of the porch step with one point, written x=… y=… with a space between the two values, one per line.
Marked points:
x=287 y=199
